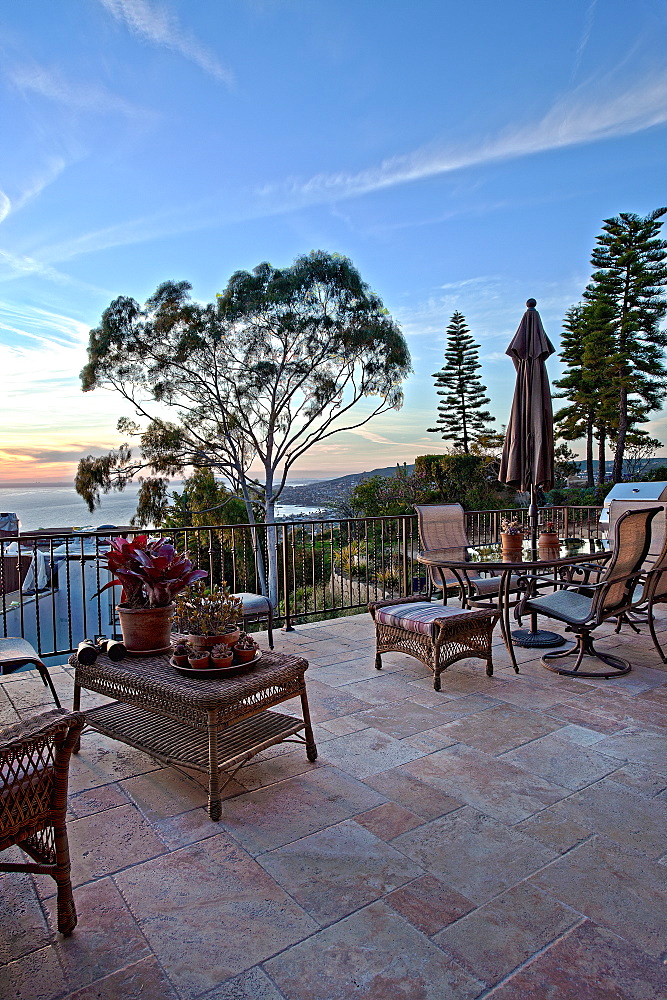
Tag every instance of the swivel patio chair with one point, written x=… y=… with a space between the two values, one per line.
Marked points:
x=16 y=653
x=611 y=597
x=256 y=608
x=34 y=765
x=442 y=526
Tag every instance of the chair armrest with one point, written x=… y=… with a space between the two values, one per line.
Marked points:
x=58 y=720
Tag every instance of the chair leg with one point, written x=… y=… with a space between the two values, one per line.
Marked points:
x=270 y=627
x=584 y=647
x=46 y=680
x=651 y=628
x=67 y=918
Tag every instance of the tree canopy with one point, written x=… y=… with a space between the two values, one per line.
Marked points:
x=461 y=418
x=284 y=359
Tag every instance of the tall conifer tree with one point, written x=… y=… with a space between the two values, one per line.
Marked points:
x=627 y=290
x=461 y=418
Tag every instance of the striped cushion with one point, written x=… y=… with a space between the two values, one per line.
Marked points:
x=416 y=617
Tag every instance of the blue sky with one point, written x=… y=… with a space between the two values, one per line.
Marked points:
x=462 y=155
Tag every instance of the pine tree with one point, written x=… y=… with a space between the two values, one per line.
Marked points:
x=461 y=418
x=578 y=419
x=627 y=290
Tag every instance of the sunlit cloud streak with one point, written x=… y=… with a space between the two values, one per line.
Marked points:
x=158 y=25
x=573 y=120
x=51 y=84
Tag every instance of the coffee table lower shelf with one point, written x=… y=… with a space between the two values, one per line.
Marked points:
x=206 y=750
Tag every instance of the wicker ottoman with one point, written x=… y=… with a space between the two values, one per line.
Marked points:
x=434 y=634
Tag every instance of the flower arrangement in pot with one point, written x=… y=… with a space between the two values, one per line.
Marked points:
x=208 y=617
x=548 y=534
x=245 y=648
x=151 y=573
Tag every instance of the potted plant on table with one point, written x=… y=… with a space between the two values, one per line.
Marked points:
x=245 y=648
x=151 y=573
x=222 y=655
x=511 y=537
x=208 y=618
x=548 y=541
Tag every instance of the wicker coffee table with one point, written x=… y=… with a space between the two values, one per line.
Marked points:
x=198 y=723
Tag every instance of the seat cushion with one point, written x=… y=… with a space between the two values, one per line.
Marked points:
x=254 y=604
x=564 y=605
x=417 y=617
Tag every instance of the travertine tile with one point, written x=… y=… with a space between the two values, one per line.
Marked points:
x=253 y=984
x=338 y=870
x=270 y=817
x=499 y=729
x=105 y=940
x=429 y=904
x=143 y=980
x=367 y=752
x=97 y=799
x=505 y=932
x=375 y=955
x=102 y=843
x=560 y=762
x=615 y=887
x=492 y=785
x=209 y=912
x=418 y=796
x=388 y=820
x=637 y=746
x=409 y=720
x=24 y=928
x=589 y=963
x=474 y=854
x=326 y=702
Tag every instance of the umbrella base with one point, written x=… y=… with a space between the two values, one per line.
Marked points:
x=540 y=639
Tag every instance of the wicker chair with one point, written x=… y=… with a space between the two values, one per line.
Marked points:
x=435 y=635
x=442 y=526
x=34 y=765
x=611 y=597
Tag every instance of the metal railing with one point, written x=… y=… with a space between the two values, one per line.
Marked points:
x=324 y=568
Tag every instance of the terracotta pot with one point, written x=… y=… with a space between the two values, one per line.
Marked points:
x=549 y=538
x=244 y=655
x=511 y=543
x=209 y=641
x=181 y=661
x=222 y=661
x=199 y=662
x=146 y=629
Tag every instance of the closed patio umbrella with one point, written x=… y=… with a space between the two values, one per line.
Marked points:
x=528 y=453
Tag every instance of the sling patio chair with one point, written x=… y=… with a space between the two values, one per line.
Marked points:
x=442 y=526
x=609 y=598
x=653 y=588
x=17 y=653
x=34 y=768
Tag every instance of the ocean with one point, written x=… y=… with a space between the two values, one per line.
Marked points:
x=62 y=507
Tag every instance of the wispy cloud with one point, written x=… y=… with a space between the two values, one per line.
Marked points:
x=51 y=84
x=18 y=266
x=580 y=117
x=5 y=206
x=156 y=24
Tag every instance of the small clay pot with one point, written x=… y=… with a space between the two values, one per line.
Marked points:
x=219 y=662
x=180 y=661
x=199 y=662
x=244 y=655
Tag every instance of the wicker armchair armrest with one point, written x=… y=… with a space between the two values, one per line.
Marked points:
x=467 y=615
x=374 y=606
x=40 y=726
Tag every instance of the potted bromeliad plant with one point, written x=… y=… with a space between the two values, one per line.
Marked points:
x=208 y=617
x=151 y=573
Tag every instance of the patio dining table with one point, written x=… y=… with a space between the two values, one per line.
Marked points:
x=513 y=573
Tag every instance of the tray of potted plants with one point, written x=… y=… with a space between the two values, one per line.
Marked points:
x=221 y=661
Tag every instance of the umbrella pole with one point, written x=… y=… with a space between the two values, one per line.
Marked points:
x=534 y=637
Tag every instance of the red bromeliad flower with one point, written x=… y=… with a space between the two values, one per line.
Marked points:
x=149 y=570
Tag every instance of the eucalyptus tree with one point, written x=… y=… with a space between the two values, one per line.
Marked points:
x=461 y=418
x=628 y=286
x=283 y=360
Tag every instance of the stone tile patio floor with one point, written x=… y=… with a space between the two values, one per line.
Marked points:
x=504 y=838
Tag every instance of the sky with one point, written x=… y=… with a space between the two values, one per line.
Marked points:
x=463 y=156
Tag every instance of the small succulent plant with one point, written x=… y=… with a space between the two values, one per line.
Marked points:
x=221 y=651
x=245 y=641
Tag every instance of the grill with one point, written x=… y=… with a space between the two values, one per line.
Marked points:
x=634 y=495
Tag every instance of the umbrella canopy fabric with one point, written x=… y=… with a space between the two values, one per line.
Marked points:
x=528 y=452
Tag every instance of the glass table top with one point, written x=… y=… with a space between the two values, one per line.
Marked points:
x=491 y=554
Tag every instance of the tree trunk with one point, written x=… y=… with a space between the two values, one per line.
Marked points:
x=271 y=537
x=622 y=431
x=602 y=455
x=256 y=544
x=590 y=481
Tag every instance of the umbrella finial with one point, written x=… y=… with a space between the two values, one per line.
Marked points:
x=531 y=303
